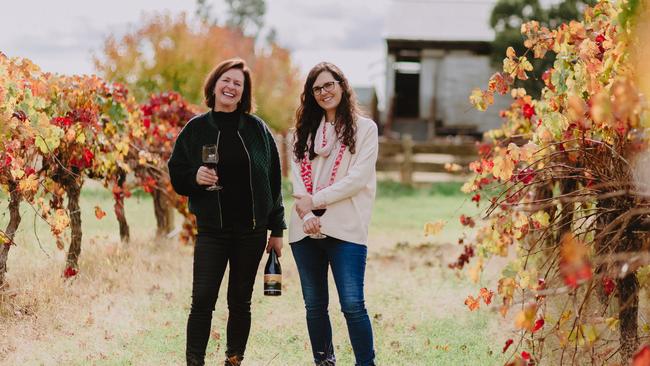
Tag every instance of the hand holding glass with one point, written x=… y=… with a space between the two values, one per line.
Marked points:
x=210 y=160
x=318 y=213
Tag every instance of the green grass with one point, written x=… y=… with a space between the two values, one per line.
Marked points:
x=415 y=303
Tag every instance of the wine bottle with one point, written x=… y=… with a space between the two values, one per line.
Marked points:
x=273 y=275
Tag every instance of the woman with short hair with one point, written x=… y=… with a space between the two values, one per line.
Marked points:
x=235 y=205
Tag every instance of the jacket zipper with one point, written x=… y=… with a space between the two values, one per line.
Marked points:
x=218 y=193
x=250 y=177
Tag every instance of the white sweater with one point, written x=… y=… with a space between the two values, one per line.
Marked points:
x=350 y=198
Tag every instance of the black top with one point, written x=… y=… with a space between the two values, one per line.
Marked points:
x=234 y=173
x=265 y=207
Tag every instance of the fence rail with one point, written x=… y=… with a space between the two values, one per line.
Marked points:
x=407 y=157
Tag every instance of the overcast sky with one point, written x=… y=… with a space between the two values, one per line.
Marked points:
x=61 y=35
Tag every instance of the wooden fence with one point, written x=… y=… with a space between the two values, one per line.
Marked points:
x=449 y=157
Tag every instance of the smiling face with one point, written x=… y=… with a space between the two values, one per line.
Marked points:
x=228 y=90
x=327 y=95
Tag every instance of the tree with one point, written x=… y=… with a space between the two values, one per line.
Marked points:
x=246 y=15
x=204 y=12
x=169 y=54
x=507 y=18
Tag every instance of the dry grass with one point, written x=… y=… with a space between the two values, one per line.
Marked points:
x=128 y=305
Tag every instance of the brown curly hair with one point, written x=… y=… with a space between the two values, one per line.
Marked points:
x=309 y=113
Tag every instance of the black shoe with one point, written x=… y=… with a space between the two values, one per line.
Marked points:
x=234 y=360
x=194 y=361
x=326 y=363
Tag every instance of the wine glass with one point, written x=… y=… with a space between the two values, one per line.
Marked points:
x=210 y=160
x=318 y=212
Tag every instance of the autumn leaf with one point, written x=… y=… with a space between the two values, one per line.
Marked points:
x=509 y=342
x=539 y=323
x=642 y=356
x=608 y=285
x=70 y=272
x=474 y=272
x=472 y=303
x=433 y=228
x=500 y=83
x=525 y=318
x=29 y=184
x=503 y=167
x=481 y=99
x=575 y=267
x=486 y=295
x=453 y=167
x=59 y=221
x=541 y=219
x=99 y=213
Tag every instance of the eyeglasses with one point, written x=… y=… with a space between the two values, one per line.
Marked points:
x=328 y=87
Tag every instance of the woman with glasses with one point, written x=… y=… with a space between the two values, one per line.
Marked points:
x=227 y=163
x=334 y=182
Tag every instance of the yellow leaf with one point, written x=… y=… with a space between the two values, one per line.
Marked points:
x=503 y=167
x=510 y=53
x=514 y=151
x=587 y=334
x=527 y=151
x=453 y=167
x=17 y=173
x=81 y=138
x=526 y=318
x=474 y=273
x=481 y=99
x=29 y=184
x=612 y=323
x=433 y=228
x=542 y=218
x=59 y=221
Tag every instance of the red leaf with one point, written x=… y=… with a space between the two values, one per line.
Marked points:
x=528 y=111
x=608 y=285
x=525 y=355
x=88 y=156
x=476 y=198
x=525 y=176
x=538 y=324
x=70 y=272
x=467 y=221
x=507 y=345
x=642 y=356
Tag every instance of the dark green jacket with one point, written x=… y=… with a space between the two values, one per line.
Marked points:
x=266 y=178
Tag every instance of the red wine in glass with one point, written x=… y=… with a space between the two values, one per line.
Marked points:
x=318 y=212
x=210 y=157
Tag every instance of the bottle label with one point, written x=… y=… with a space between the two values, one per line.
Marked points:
x=272 y=279
x=272 y=284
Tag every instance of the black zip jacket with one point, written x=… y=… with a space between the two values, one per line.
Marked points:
x=264 y=164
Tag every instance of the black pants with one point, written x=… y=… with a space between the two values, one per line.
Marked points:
x=213 y=251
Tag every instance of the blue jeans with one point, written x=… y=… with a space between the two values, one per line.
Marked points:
x=348 y=263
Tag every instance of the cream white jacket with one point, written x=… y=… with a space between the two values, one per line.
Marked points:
x=349 y=200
